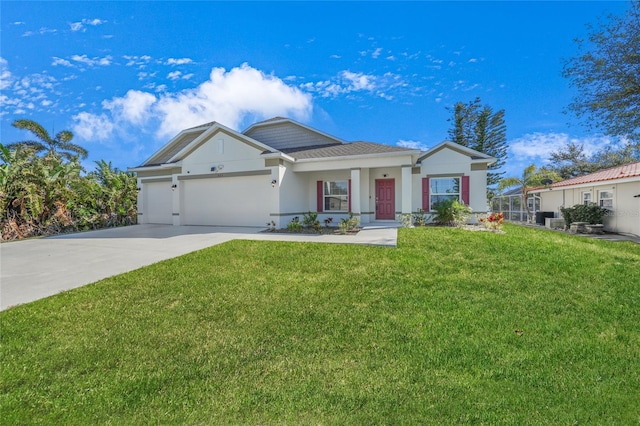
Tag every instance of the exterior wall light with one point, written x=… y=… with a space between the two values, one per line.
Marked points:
x=273 y=183
x=173 y=187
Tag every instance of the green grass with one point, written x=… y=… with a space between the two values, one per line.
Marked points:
x=529 y=327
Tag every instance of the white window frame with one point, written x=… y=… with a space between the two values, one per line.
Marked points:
x=586 y=197
x=432 y=193
x=601 y=199
x=327 y=195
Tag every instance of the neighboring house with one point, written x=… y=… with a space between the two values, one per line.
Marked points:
x=617 y=189
x=278 y=169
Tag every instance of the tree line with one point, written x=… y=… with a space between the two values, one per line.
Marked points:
x=44 y=190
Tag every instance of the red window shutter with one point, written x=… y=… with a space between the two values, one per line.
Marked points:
x=425 y=194
x=349 y=194
x=319 y=197
x=465 y=190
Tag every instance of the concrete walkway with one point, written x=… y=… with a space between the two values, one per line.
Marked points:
x=38 y=268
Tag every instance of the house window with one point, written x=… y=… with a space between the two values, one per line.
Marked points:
x=586 y=198
x=443 y=189
x=336 y=195
x=606 y=199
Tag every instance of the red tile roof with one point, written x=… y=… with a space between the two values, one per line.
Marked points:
x=620 y=172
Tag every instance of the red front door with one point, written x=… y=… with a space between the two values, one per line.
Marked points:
x=385 y=199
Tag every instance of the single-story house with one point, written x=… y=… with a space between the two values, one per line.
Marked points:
x=279 y=169
x=617 y=189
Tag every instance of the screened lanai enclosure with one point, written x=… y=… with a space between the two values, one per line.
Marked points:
x=510 y=203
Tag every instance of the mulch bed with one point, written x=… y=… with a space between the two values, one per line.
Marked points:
x=331 y=230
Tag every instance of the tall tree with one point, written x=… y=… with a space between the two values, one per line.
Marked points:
x=531 y=178
x=571 y=160
x=606 y=74
x=60 y=144
x=478 y=127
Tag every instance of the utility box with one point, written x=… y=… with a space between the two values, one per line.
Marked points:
x=541 y=216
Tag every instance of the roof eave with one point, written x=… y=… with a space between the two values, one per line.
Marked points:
x=164 y=166
x=413 y=153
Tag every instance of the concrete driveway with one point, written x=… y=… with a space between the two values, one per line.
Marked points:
x=38 y=268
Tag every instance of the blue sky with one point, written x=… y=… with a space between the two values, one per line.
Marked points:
x=126 y=77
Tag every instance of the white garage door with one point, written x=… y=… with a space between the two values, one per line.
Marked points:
x=157 y=202
x=227 y=201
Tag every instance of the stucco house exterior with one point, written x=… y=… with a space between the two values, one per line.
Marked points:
x=617 y=189
x=278 y=169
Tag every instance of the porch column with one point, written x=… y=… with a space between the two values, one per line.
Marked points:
x=356 y=202
x=406 y=189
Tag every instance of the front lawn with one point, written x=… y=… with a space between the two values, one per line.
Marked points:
x=527 y=327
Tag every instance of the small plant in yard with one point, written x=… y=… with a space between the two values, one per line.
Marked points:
x=327 y=222
x=295 y=225
x=451 y=213
x=272 y=226
x=350 y=224
x=406 y=220
x=420 y=218
x=310 y=219
x=494 y=221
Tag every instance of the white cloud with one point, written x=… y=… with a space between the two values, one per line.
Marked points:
x=140 y=61
x=93 y=22
x=80 y=26
x=412 y=144
x=376 y=53
x=174 y=75
x=347 y=82
x=59 y=61
x=358 y=81
x=133 y=108
x=92 y=62
x=538 y=146
x=92 y=127
x=41 y=31
x=227 y=97
x=5 y=75
x=180 y=61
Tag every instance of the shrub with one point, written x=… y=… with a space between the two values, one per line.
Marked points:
x=350 y=224
x=295 y=225
x=309 y=219
x=420 y=218
x=406 y=220
x=591 y=213
x=451 y=213
x=494 y=221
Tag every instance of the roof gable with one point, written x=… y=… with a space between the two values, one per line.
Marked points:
x=189 y=140
x=284 y=133
x=476 y=156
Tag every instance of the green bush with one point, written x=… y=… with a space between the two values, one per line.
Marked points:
x=451 y=213
x=591 y=213
x=295 y=225
x=310 y=219
x=350 y=224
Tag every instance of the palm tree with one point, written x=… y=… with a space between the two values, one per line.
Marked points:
x=531 y=178
x=61 y=144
